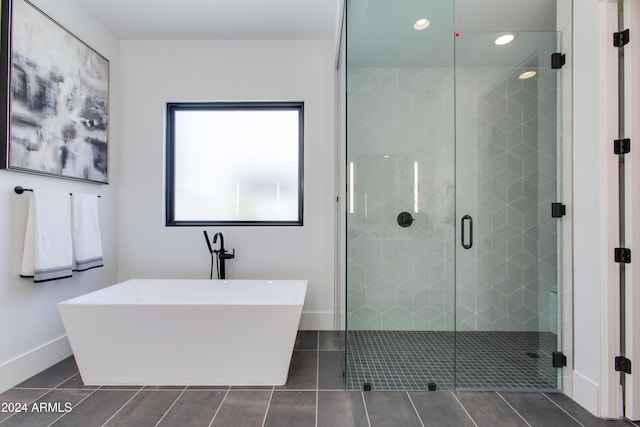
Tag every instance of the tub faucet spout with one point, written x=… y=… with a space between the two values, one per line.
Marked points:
x=221 y=254
x=215 y=239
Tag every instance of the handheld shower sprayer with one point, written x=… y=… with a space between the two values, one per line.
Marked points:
x=206 y=238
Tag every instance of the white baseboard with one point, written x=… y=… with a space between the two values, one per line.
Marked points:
x=26 y=365
x=316 y=320
x=586 y=393
x=567 y=383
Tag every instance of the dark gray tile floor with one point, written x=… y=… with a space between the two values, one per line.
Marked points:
x=313 y=396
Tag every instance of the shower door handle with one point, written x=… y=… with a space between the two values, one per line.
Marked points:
x=468 y=219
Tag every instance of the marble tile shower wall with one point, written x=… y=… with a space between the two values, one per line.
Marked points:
x=401 y=147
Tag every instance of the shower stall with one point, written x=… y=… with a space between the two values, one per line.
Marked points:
x=451 y=168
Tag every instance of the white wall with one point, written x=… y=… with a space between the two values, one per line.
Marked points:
x=154 y=72
x=632 y=179
x=564 y=24
x=596 y=327
x=31 y=331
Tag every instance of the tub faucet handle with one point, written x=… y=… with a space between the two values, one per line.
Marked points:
x=226 y=255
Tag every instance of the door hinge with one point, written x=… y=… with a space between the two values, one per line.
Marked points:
x=622 y=146
x=558 y=359
x=621 y=38
x=622 y=255
x=558 y=210
x=622 y=364
x=557 y=60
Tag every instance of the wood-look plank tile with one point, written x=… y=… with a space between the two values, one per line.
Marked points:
x=582 y=415
x=53 y=376
x=16 y=397
x=302 y=371
x=488 y=409
x=47 y=409
x=96 y=409
x=440 y=409
x=331 y=340
x=145 y=409
x=537 y=410
x=306 y=340
x=292 y=409
x=331 y=370
x=76 y=383
x=341 y=408
x=193 y=408
x=390 y=409
x=242 y=409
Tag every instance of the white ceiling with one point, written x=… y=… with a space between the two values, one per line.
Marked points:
x=505 y=15
x=380 y=32
x=296 y=19
x=216 y=19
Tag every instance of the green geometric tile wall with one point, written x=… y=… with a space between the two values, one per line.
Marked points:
x=506 y=179
x=401 y=127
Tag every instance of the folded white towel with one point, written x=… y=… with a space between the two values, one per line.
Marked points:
x=85 y=231
x=47 y=251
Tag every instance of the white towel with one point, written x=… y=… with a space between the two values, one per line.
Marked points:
x=85 y=231
x=47 y=251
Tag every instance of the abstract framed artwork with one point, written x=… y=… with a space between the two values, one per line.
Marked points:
x=55 y=102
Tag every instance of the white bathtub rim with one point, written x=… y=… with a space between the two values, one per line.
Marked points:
x=181 y=292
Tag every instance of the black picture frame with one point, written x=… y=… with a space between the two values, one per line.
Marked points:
x=55 y=98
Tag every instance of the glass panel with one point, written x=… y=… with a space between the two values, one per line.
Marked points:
x=451 y=263
x=400 y=182
x=234 y=163
x=506 y=180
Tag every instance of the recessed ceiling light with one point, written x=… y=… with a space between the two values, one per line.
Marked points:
x=421 y=24
x=505 y=39
x=527 y=75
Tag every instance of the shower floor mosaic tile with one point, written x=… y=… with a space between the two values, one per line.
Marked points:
x=410 y=360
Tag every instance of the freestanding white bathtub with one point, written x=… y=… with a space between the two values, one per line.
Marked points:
x=185 y=332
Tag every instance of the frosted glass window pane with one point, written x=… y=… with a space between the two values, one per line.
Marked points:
x=234 y=163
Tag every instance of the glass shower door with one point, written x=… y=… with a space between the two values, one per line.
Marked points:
x=507 y=286
x=451 y=169
x=400 y=196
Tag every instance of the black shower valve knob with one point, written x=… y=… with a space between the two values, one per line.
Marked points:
x=405 y=219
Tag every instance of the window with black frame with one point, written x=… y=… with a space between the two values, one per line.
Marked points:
x=234 y=163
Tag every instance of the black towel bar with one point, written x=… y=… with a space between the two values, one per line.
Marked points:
x=19 y=190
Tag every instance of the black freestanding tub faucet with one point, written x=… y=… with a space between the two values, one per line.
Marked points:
x=221 y=255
